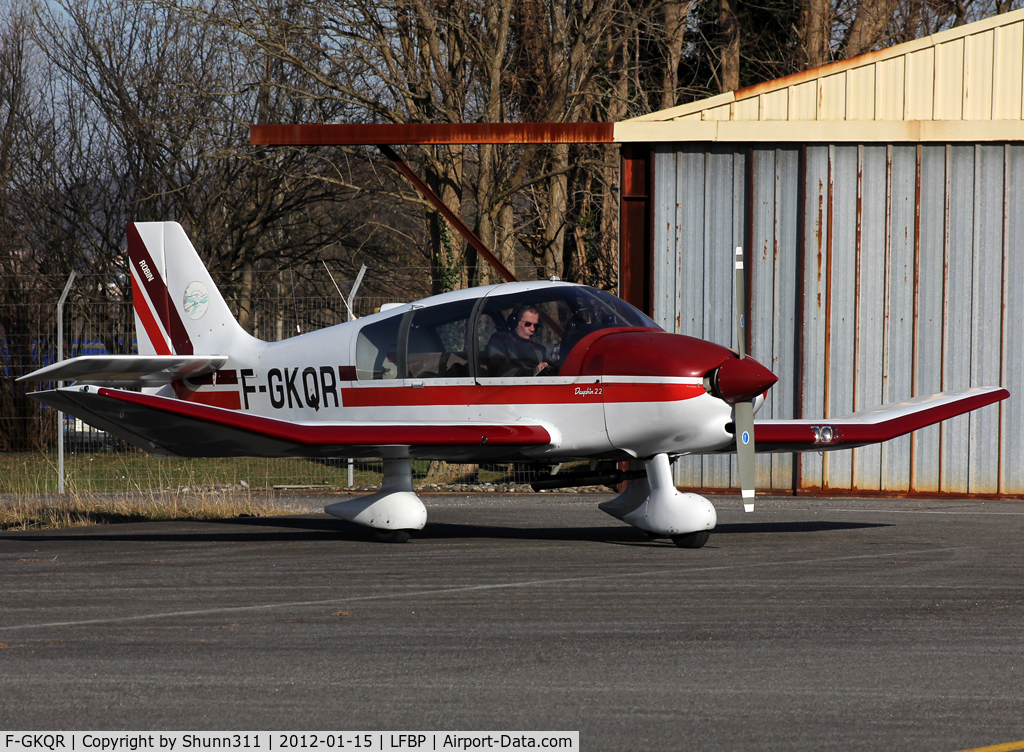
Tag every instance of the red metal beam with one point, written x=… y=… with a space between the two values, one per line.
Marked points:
x=343 y=134
x=636 y=226
x=451 y=216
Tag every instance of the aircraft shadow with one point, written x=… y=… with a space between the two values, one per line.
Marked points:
x=303 y=528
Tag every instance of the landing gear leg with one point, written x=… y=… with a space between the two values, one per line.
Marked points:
x=393 y=511
x=655 y=506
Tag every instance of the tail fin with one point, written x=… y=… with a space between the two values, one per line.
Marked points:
x=178 y=308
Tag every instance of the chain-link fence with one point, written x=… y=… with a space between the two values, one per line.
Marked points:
x=98 y=319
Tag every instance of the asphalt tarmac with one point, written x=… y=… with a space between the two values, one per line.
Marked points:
x=810 y=624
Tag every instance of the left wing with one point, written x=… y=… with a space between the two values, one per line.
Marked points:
x=177 y=427
x=129 y=370
x=869 y=426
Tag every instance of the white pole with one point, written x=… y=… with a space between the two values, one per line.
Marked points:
x=60 y=357
x=351 y=316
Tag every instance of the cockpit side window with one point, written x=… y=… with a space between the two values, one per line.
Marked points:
x=377 y=350
x=518 y=335
x=439 y=341
x=558 y=319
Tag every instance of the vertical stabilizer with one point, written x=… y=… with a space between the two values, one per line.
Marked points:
x=178 y=308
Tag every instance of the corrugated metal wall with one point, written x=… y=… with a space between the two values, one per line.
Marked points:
x=878 y=272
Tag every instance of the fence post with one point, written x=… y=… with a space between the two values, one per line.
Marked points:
x=60 y=357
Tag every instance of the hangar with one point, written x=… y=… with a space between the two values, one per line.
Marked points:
x=880 y=203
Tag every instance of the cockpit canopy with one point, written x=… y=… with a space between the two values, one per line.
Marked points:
x=456 y=339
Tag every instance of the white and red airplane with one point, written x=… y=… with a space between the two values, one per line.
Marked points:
x=542 y=371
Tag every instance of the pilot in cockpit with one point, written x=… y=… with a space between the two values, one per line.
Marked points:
x=511 y=353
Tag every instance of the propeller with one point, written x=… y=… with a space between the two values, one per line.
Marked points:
x=743 y=409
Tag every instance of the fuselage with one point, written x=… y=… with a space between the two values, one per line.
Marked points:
x=618 y=385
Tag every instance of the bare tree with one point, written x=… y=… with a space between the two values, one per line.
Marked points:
x=164 y=106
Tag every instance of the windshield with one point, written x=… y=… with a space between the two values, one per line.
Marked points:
x=532 y=333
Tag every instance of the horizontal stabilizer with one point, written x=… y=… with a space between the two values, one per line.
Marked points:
x=870 y=426
x=170 y=426
x=129 y=370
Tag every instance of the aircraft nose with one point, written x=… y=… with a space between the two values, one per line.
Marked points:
x=741 y=380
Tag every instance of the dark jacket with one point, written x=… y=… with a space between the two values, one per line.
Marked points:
x=508 y=354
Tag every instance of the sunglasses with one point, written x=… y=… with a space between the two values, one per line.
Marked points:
x=529 y=324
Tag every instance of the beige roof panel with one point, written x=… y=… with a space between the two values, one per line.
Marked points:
x=818 y=131
x=971 y=74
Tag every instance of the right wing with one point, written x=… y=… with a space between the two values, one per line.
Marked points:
x=871 y=426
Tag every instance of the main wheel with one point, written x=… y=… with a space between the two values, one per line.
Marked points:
x=392 y=536
x=692 y=540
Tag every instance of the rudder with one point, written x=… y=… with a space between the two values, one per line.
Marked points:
x=178 y=308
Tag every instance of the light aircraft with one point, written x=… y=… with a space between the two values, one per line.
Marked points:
x=431 y=380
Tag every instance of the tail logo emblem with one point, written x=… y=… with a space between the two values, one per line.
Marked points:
x=197 y=300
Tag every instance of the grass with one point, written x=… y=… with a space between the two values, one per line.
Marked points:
x=111 y=472
x=78 y=511
x=134 y=471
x=130 y=486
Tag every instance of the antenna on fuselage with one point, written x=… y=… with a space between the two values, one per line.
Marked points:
x=352 y=292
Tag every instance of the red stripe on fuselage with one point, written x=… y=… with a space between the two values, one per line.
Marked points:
x=156 y=337
x=229 y=400
x=526 y=394
x=629 y=392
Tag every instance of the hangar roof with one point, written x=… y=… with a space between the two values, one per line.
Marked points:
x=964 y=84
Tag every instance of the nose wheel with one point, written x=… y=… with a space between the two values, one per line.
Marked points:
x=392 y=536
x=692 y=540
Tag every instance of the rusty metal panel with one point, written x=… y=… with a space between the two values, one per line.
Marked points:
x=635 y=231
x=898 y=344
x=1011 y=435
x=956 y=366
x=817 y=209
x=931 y=279
x=337 y=134
x=688 y=196
x=666 y=282
x=839 y=388
x=910 y=287
x=870 y=282
x=783 y=322
x=986 y=314
x=760 y=258
x=978 y=76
